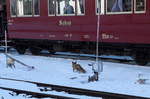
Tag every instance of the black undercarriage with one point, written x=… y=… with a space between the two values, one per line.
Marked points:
x=140 y=52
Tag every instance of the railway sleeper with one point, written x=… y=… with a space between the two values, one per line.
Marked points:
x=21 y=49
x=35 y=50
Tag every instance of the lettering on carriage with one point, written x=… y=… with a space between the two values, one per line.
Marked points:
x=41 y=35
x=52 y=36
x=65 y=23
x=68 y=35
x=109 y=36
x=10 y=22
x=86 y=36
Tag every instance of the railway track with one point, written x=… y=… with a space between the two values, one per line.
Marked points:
x=71 y=55
x=91 y=57
x=35 y=94
x=77 y=56
x=69 y=90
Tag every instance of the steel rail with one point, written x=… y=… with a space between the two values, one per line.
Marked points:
x=35 y=94
x=84 y=57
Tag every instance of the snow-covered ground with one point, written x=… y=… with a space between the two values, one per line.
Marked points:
x=116 y=78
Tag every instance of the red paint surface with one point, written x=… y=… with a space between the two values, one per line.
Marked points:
x=125 y=28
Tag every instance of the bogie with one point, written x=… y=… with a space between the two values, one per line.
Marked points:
x=20 y=49
x=141 y=57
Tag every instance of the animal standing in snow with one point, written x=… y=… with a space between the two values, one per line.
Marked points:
x=141 y=79
x=77 y=67
x=10 y=63
x=94 y=77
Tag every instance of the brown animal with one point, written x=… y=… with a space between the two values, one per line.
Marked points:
x=141 y=80
x=77 y=67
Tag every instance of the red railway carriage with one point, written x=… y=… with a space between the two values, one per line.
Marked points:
x=64 y=25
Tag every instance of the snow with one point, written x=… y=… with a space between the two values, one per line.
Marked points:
x=116 y=77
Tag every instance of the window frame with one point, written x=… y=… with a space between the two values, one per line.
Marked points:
x=56 y=7
x=32 y=15
x=138 y=12
x=23 y=10
x=115 y=13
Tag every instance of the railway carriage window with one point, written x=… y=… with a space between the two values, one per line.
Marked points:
x=13 y=7
x=27 y=7
x=20 y=11
x=51 y=7
x=65 y=7
x=80 y=7
x=140 y=5
x=24 y=7
x=100 y=6
x=36 y=7
x=119 y=5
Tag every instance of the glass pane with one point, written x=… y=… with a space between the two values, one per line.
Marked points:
x=13 y=7
x=80 y=6
x=65 y=7
x=27 y=7
x=24 y=7
x=140 y=5
x=100 y=6
x=36 y=7
x=119 y=5
x=51 y=7
x=20 y=8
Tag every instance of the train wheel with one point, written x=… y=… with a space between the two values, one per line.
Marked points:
x=35 y=51
x=141 y=58
x=52 y=52
x=21 y=49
